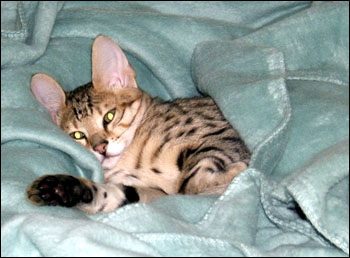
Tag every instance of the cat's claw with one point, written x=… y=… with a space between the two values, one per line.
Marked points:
x=62 y=190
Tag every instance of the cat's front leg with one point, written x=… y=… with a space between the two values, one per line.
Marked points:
x=69 y=191
x=62 y=190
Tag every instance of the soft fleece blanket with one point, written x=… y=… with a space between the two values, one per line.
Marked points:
x=279 y=71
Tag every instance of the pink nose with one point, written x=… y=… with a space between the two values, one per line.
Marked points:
x=101 y=148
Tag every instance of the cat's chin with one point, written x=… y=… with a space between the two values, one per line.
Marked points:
x=110 y=162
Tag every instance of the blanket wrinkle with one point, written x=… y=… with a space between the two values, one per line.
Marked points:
x=32 y=41
x=279 y=72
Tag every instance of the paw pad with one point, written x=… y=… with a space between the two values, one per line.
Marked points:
x=63 y=190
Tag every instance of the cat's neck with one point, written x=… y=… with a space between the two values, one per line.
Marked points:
x=141 y=107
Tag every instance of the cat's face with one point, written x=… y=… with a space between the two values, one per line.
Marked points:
x=99 y=120
x=100 y=114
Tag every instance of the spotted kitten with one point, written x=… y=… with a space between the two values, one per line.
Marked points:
x=147 y=147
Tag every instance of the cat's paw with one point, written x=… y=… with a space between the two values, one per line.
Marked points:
x=63 y=190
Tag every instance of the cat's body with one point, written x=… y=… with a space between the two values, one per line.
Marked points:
x=147 y=147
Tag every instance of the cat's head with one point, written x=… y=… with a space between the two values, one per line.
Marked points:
x=98 y=115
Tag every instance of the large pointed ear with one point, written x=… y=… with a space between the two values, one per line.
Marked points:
x=49 y=94
x=110 y=67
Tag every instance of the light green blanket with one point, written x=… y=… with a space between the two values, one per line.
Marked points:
x=279 y=71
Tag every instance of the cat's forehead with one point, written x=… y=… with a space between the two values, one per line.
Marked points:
x=84 y=104
x=81 y=100
x=79 y=92
x=87 y=93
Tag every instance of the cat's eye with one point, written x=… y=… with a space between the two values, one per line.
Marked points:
x=77 y=135
x=109 y=116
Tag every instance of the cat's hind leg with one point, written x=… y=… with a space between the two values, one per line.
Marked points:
x=203 y=179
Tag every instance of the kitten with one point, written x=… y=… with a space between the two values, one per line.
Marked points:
x=147 y=147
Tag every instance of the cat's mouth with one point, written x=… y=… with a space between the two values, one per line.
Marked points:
x=109 y=162
x=110 y=159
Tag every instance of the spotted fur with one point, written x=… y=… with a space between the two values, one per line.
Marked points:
x=150 y=149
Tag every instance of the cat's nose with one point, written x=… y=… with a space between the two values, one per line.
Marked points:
x=101 y=147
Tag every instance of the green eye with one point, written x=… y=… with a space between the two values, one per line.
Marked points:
x=77 y=135
x=109 y=116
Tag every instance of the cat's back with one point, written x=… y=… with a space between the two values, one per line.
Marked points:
x=193 y=124
x=184 y=118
